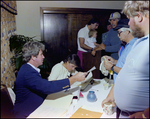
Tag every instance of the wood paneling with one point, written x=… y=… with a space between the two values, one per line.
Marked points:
x=56 y=37
x=89 y=61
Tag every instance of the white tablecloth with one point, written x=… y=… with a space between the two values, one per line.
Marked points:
x=101 y=94
x=82 y=102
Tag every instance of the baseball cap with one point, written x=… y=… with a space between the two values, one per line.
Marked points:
x=115 y=15
x=122 y=23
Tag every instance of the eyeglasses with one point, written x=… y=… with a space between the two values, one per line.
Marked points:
x=119 y=32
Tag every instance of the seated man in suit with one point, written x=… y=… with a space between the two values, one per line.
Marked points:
x=31 y=89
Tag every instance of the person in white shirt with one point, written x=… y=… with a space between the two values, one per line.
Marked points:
x=83 y=35
x=91 y=41
x=65 y=68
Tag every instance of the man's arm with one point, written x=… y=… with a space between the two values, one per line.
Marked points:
x=116 y=69
x=80 y=76
x=34 y=81
x=112 y=60
x=108 y=66
x=141 y=115
x=110 y=97
x=96 y=44
x=82 y=45
x=96 y=49
x=113 y=48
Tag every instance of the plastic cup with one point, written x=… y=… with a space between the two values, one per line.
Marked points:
x=108 y=108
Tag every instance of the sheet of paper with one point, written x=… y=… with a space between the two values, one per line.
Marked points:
x=55 y=105
x=47 y=112
x=93 y=68
x=56 y=99
x=93 y=108
x=88 y=77
x=83 y=113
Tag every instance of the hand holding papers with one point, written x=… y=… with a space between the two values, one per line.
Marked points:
x=87 y=77
x=89 y=74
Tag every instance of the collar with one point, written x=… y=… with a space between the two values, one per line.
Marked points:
x=132 y=41
x=140 y=40
x=86 y=26
x=37 y=69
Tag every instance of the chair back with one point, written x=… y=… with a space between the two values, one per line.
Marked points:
x=6 y=103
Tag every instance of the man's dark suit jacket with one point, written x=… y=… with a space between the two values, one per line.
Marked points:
x=31 y=90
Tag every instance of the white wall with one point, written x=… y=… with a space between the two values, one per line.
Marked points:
x=28 y=18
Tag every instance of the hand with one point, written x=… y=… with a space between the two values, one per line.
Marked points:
x=113 y=61
x=108 y=65
x=137 y=115
x=102 y=46
x=80 y=76
x=109 y=98
x=93 y=52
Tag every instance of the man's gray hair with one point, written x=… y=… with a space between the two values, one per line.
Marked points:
x=31 y=48
x=125 y=29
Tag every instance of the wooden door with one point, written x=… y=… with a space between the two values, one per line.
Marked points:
x=56 y=37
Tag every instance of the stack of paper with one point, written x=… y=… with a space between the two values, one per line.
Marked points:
x=55 y=105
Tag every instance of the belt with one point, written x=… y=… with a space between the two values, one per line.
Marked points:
x=126 y=113
x=123 y=113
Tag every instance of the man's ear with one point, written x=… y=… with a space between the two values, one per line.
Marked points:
x=33 y=58
x=127 y=32
x=139 y=17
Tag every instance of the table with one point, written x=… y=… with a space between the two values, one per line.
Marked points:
x=92 y=106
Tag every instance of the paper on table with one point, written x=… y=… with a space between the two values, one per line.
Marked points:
x=83 y=113
x=59 y=100
x=93 y=108
x=55 y=105
x=47 y=112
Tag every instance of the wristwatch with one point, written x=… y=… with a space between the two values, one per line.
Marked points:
x=91 y=49
x=112 y=68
